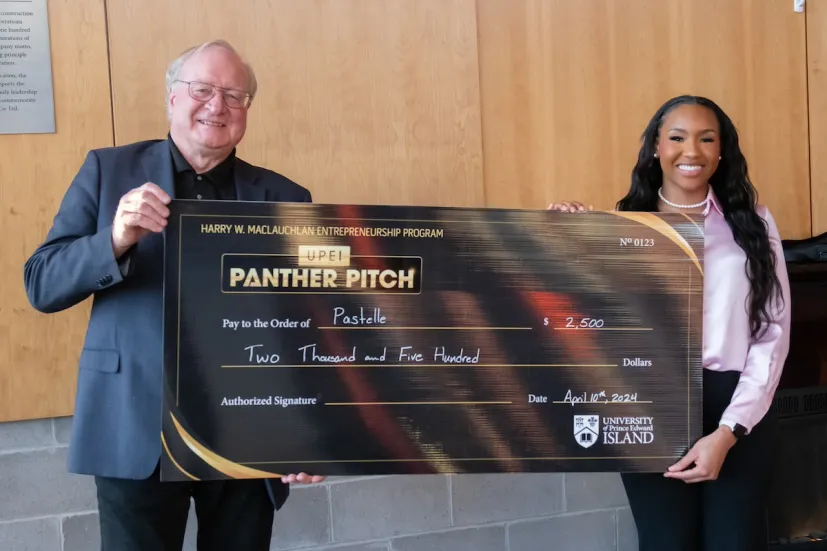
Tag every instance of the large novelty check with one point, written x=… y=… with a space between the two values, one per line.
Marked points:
x=356 y=340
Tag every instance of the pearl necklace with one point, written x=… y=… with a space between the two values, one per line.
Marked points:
x=677 y=206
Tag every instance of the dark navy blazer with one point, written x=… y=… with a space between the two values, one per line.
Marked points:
x=117 y=420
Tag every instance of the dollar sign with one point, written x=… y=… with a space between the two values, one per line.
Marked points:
x=545 y=321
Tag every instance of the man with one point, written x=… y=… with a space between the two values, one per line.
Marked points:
x=106 y=241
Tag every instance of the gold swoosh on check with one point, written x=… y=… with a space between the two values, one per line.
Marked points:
x=229 y=468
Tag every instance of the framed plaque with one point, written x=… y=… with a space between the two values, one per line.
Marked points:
x=362 y=340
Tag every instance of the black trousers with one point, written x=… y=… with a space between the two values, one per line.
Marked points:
x=143 y=515
x=727 y=514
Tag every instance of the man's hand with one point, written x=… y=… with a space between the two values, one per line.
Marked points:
x=302 y=478
x=141 y=211
x=707 y=454
x=570 y=206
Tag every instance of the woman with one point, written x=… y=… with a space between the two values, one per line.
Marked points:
x=714 y=497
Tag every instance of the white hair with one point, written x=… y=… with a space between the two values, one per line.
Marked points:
x=174 y=68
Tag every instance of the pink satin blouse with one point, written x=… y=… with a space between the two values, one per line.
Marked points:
x=727 y=344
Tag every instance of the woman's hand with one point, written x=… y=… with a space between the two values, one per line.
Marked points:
x=569 y=206
x=707 y=454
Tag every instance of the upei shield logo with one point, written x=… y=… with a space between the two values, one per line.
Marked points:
x=586 y=429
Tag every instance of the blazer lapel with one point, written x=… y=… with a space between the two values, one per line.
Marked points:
x=158 y=167
x=245 y=183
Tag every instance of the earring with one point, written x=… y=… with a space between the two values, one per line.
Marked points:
x=656 y=155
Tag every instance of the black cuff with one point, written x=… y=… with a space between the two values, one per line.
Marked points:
x=125 y=263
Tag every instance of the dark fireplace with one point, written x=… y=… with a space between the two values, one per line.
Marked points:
x=797 y=511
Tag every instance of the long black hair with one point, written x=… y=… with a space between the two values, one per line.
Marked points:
x=736 y=196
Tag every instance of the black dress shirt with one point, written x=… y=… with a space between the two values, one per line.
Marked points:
x=215 y=184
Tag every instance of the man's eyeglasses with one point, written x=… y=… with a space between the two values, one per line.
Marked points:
x=201 y=91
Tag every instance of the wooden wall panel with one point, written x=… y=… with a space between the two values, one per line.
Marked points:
x=39 y=353
x=817 y=73
x=394 y=102
x=361 y=102
x=568 y=87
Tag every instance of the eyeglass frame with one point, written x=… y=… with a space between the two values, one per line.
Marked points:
x=248 y=97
